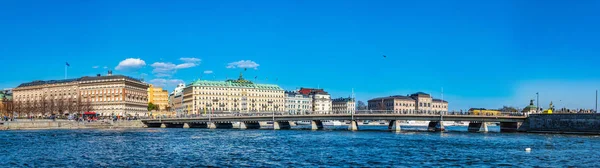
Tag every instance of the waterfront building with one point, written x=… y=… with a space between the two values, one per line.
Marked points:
x=409 y=104
x=239 y=95
x=158 y=97
x=106 y=95
x=321 y=99
x=176 y=99
x=296 y=103
x=343 y=105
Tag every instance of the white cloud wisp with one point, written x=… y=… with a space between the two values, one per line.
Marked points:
x=130 y=64
x=243 y=64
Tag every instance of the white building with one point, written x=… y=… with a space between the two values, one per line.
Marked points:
x=296 y=103
x=321 y=100
x=239 y=95
x=343 y=105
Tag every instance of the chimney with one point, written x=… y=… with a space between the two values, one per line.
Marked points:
x=109 y=72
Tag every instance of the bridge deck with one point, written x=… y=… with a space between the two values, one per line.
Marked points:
x=420 y=117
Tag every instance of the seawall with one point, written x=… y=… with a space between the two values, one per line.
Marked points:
x=64 y=124
x=562 y=123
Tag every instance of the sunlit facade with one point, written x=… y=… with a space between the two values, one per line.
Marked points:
x=232 y=96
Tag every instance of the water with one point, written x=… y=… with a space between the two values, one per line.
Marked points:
x=373 y=146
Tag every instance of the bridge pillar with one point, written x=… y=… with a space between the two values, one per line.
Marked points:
x=477 y=126
x=249 y=125
x=163 y=125
x=153 y=125
x=316 y=124
x=198 y=125
x=212 y=125
x=353 y=126
x=436 y=126
x=394 y=125
x=186 y=125
x=509 y=126
x=172 y=125
x=277 y=125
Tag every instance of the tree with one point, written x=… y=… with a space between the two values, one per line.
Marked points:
x=75 y=106
x=151 y=107
x=61 y=106
x=18 y=107
x=509 y=109
x=28 y=107
x=361 y=105
x=87 y=106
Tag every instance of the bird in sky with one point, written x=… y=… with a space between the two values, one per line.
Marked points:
x=384 y=56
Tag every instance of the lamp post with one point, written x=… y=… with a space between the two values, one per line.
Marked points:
x=538 y=102
x=270 y=103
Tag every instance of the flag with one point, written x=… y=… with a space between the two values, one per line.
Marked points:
x=255 y=77
x=67 y=64
x=245 y=69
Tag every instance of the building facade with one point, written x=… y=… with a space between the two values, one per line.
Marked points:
x=321 y=100
x=296 y=103
x=203 y=96
x=106 y=95
x=176 y=99
x=158 y=97
x=343 y=105
x=415 y=103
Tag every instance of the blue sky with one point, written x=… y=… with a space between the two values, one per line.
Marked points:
x=483 y=53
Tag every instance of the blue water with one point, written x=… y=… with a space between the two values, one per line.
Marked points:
x=372 y=146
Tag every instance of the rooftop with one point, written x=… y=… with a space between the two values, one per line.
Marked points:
x=342 y=99
x=311 y=91
x=393 y=97
x=239 y=83
x=85 y=78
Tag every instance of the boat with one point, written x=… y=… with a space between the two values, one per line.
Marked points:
x=332 y=123
x=366 y=122
x=302 y=122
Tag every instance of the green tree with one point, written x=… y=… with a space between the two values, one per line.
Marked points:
x=151 y=107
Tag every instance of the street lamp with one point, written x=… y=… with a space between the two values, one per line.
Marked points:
x=270 y=103
x=538 y=102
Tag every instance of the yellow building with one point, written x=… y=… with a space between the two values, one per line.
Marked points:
x=158 y=97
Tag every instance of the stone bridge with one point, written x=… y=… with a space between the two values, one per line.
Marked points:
x=508 y=123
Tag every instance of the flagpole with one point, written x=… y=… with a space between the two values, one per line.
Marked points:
x=65 y=71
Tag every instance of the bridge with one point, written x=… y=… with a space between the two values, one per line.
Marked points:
x=509 y=122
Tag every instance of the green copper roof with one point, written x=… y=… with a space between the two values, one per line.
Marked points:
x=239 y=83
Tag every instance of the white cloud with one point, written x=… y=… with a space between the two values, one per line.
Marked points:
x=243 y=64
x=208 y=72
x=105 y=67
x=190 y=60
x=95 y=67
x=185 y=65
x=167 y=69
x=166 y=82
x=131 y=64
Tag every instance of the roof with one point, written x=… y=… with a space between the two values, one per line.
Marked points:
x=439 y=100
x=419 y=94
x=85 y=78
x=311 y=91
x=5 y=95
x=342 y=99
x=393 y=97
x=232 y=83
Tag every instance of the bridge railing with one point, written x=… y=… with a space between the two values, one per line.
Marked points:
x=358 y=112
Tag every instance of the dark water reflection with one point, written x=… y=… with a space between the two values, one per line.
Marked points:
x=292 y=148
